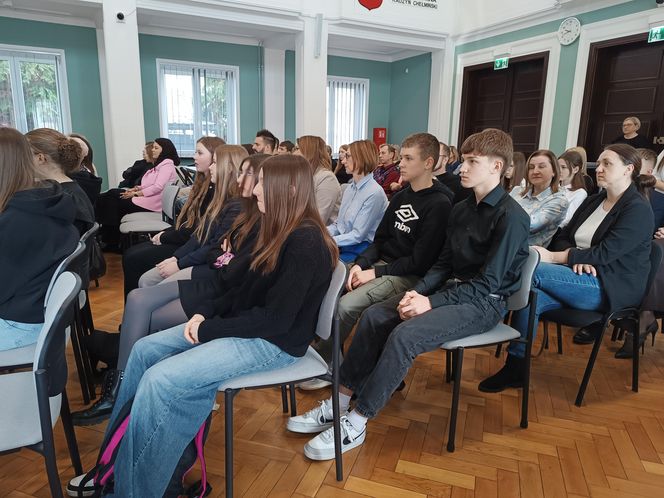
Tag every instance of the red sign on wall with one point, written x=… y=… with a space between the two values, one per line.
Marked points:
x=371 y=4
x=380 y=136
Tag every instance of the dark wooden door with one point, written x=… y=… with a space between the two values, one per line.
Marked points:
x=625 y=78
x=508 y=99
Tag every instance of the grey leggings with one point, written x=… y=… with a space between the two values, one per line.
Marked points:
x=149 y=310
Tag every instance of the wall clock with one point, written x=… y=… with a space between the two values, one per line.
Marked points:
x=569 y=31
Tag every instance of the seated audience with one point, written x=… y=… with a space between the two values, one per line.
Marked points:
x=140 y=258
x=648 y=161
x=57 y=156
x=265 y=143
x=571 y=181
x=214 y=223
x=657 y=196
x=630 y=136
x=599 y=262
x=387 y=172
x=340 y=169
x=362 y=205
x=266 y=323
x=587 y=180
x=454 y=161
x=515 y=176
x=36 y=234
x=407 y=242
x=326 y=186
x=463 y=294
x=150 y=309
x=285 y=147
x=145 y=197
x=86 y=176
x=131 y=177
x=541 y=198
x=450 y=180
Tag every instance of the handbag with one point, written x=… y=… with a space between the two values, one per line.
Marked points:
x=97 y=267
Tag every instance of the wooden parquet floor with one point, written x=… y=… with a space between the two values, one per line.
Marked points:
x=611 y=447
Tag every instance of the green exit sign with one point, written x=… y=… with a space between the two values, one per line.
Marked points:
x=500 y=63
x=656 y=34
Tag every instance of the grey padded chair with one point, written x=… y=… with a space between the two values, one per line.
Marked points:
x=500 y=334
x=31 y=400
x=147 y=223
x=310 y=366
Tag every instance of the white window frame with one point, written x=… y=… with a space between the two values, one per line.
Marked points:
x=234 y=107
x=365 y=114
x=24 y=53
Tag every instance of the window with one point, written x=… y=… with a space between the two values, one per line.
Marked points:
x=347 y=105
x=197 y=100
x=32 y=91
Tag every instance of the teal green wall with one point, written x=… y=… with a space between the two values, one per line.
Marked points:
x=378 y=74
x=82 y=66
x=568 y=56
x=409 y=97
x=289 y=97
x=245 y=56
x=398 y=101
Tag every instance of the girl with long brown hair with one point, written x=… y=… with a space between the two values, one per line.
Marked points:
x=140 y=258
x=326 y=186
x=159 y=307
x=264 y=324
x=36 y=234
x=216 y=221
x=571 y=182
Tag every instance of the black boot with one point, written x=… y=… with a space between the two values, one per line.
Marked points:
x=102 y=409
x=627 y=349
x=511 y=375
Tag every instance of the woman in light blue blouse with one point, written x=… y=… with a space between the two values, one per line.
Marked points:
x=542 y=198
x=362 y=205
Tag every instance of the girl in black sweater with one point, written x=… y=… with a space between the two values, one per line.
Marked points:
x=266 y=323
x=36 y=234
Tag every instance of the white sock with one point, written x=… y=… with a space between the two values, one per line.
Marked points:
x=344 y=403
x=358 y=421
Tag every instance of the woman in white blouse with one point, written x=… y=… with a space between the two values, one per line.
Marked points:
x=571 y=181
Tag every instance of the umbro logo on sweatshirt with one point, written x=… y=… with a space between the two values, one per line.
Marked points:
x=405 y=214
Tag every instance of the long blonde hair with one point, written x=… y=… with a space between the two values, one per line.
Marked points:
x=62 y=150
x=288 y=187
x=191 y=211
x=17 y=167
x=228 y=159
x=314 y=150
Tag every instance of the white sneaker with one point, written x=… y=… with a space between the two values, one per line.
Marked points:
x=322 y=446
x=315 y=420
x=74 y=486
x=314 y=384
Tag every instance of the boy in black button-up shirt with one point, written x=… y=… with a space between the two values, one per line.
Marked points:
x=463 y=294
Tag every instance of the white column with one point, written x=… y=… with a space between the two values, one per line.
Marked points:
x=437 y=125
x=122 y=98
x=274 y=113
x=311 y=77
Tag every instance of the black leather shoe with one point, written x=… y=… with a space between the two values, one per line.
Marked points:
x=586 y=335
x=627 y=349
x=102 y=409
x=511 y=375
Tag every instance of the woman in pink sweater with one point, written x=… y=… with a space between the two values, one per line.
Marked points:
x=114 y=204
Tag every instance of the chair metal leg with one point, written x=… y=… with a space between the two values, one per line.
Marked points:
x=70 y=435
x=228 y=436
x=293 y=402
x=76 y=346
x=614 y=334
x=284 y=398
x=448 y=366
x=48 y=445
x=546 y=335
x=455 y=398
x=559 y=332
x=635 y=356
x=499 y=349
x=589 y=366
x=338 y=461
x=526 y=392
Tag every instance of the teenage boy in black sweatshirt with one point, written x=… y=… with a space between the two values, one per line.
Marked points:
x=407 y=242
x=463 y=294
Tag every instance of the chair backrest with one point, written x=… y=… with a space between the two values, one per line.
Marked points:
x=655 y=261
x=168 y=197
x=519 y=299
x=87 y=238
x=328 y=308
x=72 y=262
x=50 y=348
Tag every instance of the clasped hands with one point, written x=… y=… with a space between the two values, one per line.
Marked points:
x=413 y=304
x=132 y=192
x=191 y=328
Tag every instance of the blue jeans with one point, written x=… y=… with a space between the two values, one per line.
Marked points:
x=174 y=385
x=557 y=286
x=18 y=335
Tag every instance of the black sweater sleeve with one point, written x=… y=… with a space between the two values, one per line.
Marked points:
x=283 y=301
